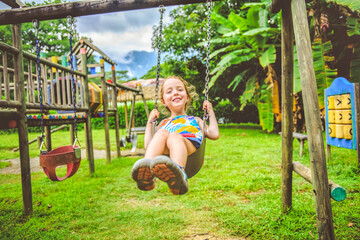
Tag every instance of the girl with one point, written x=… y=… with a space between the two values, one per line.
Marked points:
x=178 y=136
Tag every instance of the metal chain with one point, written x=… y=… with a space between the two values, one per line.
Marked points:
x=161 y=10
x=71 y=23
x=38 y=68
x=209 y=6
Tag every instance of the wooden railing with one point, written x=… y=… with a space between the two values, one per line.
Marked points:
x=55 y=79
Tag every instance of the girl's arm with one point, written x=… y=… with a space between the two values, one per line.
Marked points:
x=149 y=126
x=212 y=131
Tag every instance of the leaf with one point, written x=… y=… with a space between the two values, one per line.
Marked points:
x=225 y=49
x=355 y=64
x=265 y=109
x=350 y=224
x=354 y=5
x=223 y=21
x=353 y=25
x=324 y=75
x=238 y=21
x=268 y=57
x=217 y=75
x=249 y=91
x=264 y=31
x=238 y=79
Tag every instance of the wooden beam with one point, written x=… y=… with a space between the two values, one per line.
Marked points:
x=337 y=192
x=277 y=5
x=117 y=124
x=106 y=114
x=22 y=125
x=287 y=58
x=13 y=3
x=82 y=8
x=325 y=226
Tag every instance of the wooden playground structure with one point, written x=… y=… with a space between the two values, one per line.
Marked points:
x=18 y=104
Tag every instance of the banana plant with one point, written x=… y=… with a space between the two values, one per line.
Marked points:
x=249 y=42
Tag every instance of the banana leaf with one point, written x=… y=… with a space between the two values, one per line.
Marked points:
x=265 y=108
x=355 y=65
x=222 y=21
x=249 y=91
x=353 y=25
x=353 y=4
x=238 y=21
x=324 y=75
x=268 y=57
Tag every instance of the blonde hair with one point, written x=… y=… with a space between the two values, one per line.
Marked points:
x=190 y=91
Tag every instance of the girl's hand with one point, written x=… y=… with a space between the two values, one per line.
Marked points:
x=208 y=106
x=154 y=114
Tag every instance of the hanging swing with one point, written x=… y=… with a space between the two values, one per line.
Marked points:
x=66 y=155
x=196 y=160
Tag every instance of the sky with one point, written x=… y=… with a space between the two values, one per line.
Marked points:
x=117 y=34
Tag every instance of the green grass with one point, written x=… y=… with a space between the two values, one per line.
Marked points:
x=236 y=195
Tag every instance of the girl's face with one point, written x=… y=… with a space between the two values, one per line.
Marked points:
x=174 y=95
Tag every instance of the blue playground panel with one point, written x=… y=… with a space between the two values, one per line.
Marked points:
x=338 y=87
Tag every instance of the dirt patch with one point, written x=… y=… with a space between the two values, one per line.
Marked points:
x=14 y=167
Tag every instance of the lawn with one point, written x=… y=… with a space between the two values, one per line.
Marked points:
x=236 y=195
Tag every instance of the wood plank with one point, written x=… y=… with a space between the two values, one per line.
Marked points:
x=337 y=192
x=106 y=116
x=1 y=81
x=82 y=8
x=13 y=3
x=58 y=95
x=52 y=87
x=88 y=131
x=63 y=87
x=324 y=216
x=22 y=127
x=68 y=89
x=117 y=124
x=6 y=76
x=277 y=5
x=287 y=40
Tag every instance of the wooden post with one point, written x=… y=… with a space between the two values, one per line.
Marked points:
x=117 y=126
x=126 y=115
x=131 y=114
x=88 y=130
x=22 y=126
x=287 y=59
x=105 y=110
x=72 y=134
x=48 y=138
x=325 y=225
x=144 y=101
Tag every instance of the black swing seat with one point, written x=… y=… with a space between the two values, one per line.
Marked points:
x=196 y=160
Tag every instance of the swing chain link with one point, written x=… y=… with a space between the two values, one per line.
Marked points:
x=209 y=6
x=38 y=69
x=161 y=10
x=71 y=23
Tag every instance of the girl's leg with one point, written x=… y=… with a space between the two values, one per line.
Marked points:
x=179 y=148
x=157 y=145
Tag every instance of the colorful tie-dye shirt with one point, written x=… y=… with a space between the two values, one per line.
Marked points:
x=186 y=126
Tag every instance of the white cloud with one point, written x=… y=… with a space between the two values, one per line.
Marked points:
x=118 y=44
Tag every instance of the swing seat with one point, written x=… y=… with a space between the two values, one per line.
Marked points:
x=196 y=160
x=66 y=155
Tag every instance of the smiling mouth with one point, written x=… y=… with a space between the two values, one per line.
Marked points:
x=176 y=100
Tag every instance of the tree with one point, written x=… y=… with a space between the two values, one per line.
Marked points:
x=53 y=34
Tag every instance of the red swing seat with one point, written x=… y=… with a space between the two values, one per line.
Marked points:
x=60 y=156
